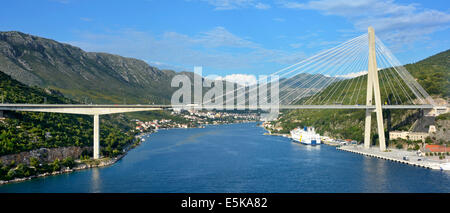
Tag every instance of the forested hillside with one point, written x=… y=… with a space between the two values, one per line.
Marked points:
x=24 y=131
x=432 y=73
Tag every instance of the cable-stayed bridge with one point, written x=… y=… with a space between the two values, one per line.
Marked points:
x=361 y=73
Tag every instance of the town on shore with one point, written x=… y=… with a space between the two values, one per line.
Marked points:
x=196 y=119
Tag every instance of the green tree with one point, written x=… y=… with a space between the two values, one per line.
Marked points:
x=34 y=162
x=56 y=165
x=68 y=162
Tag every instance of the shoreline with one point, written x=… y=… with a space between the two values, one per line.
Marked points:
x=102 y=162
x=89 y=164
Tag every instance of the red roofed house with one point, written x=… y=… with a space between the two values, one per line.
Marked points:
x=436 y=148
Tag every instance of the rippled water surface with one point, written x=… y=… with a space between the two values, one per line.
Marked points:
x=239 y=158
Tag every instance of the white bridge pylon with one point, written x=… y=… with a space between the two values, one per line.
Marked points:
x=373 y=87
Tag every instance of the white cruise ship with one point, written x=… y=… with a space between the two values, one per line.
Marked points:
x=307 y=135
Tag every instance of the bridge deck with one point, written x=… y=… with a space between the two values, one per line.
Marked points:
x=115 y=106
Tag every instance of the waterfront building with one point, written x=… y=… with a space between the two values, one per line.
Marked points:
x=410 y=135
x=406 y=135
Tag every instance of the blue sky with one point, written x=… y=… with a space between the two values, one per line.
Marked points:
x=231 y=36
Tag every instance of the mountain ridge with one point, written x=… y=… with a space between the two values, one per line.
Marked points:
x=103 y=77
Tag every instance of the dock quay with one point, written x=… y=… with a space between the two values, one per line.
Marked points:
x=330 y=143
x=394 y=155
x=278 y=134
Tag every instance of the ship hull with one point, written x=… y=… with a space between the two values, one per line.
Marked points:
x=312 y=143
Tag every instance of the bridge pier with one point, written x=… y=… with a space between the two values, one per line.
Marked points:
x=96 y=136
x=368 y=123
x=373 y=87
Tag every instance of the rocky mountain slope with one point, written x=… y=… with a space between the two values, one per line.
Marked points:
x=80 y=75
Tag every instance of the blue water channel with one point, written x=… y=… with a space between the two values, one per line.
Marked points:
x=239 y=158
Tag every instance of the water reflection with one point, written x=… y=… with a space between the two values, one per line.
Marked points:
x=95 y=181
x=301 y=147
x=311 y=148
x=374 y=175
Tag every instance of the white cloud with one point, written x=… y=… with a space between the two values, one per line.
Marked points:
x=61 y=1
x=216 y=37
x=393 y=22
x=242 y=79
x=237 y=4
x=296 y=45
x=262 y=6
x=352 y=75
x=283 y=57
x=85 y=19
x=355 y=8
x=322 y=43
x=219 y=36
x=307 y=36
x=278 y=19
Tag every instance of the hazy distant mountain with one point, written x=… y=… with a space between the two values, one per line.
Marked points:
x=303 y=85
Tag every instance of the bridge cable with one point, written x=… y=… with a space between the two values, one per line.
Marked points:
x=336 y=85
x=315 y=68
x=360 y=79
x=312 y=58
x=319 y=74
x=386 y=70
x=330 y=71
x=345 y=88
x=335 y=73
x=383 y=58
x=413 y=85
x=362 y=65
